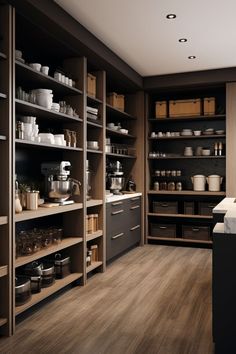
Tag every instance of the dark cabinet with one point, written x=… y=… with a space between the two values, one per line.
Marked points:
x=123 y=226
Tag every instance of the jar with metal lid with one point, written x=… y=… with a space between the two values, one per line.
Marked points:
x=179 y=186
x=62 y=266
x=156 y=186
x=22 y=291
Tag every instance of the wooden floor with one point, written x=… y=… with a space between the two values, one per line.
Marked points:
x=154 y=300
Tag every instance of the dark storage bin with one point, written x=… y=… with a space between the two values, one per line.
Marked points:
x=163 y=230
x=165 y=207
x=62 y=266
x=201 y=233
x=189 y=208
x=205 y=208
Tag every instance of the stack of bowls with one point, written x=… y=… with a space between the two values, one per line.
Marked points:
x=186 y=132
x=188 y=151
x=44 y=97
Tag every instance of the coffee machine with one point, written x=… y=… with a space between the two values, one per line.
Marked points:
x=115 y=179
x=59 y=187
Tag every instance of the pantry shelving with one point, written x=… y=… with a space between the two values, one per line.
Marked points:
x=3 y=271
x=2 y=56
x=3 y=220
x=93 y=266
x=44 y=145
x=165 y=135
x=94 y=235
x=3 y=95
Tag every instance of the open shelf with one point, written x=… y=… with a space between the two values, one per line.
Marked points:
x=186 y=157
x=118 y=113
x=178 y=239
x=3 y=271
x=30 y=76
x=117 y=133
x=3 y=220
x=91 y=151
x=43 y=145
x=65 y=243
x=92 y=99
x=23 y=107
x=93 y=202
x=193 y=118
x=3 y=56
x=188 y=192
x=212 y=136
x=93 y=266
x=45 y=292
x=94 y=235
x=3 y=137
x=3 y=321
x=95 y=124
x=42 y=211
x=120 y=156
x=2 y=95
x=187 y=216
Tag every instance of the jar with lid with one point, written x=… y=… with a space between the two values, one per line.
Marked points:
x=171 y=186
x=179 y=186
x=156 y=186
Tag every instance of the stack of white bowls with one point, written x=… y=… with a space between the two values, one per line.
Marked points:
x=31 y=129
x=44 y=97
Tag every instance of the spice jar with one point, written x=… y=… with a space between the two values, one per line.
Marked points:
x=156 y=186
x=32 y=200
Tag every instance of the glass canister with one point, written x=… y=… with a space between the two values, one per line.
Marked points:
x=32 y=200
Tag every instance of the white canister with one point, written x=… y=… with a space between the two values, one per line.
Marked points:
x=199 y=183
x=32 y=200
x=214 y=183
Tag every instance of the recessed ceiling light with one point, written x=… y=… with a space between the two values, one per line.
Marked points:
x=192 y=57
x=171 y=16
x=182 y=40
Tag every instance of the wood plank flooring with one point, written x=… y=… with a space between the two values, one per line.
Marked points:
x=153 y=300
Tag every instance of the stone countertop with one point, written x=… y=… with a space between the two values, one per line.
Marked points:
x=114 y=198
x=225 y=205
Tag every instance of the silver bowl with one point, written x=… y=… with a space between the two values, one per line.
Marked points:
x=59 y=191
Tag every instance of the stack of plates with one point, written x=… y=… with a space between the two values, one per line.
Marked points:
x=209 y=131
x=186 y=132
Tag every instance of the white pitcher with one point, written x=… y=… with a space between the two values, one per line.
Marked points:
x=199 y=182
x=214 y=182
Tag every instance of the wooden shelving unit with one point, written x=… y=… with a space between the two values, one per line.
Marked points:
x=174 y=159
x=93 y=266
x=94 y=235
x=3 y=220
x=3 y=271
x=31 y=144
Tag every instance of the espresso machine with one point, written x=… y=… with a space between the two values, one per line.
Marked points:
x=115 y=179
x=59 y=187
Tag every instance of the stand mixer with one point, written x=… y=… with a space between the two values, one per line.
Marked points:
x=115 y=177
x=58 y=186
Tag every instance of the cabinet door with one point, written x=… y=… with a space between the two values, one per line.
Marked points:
x=117 y=216
x=134 y=205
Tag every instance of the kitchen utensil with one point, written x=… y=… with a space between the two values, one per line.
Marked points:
x=199 y=182
x=214 y=183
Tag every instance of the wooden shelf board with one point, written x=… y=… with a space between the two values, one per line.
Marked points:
x=23 y=107
x=93 y=202
x=33 y=77
x=187 y=192
x=3 y=137
x=3 y=321
x=3 y=56
x=117 y=133
x=118 y=112
x=186 y=157
x=178 y=239
x=92 y=99
x=93 y=266
x=215 y=136
x=121 y=156
x=3 y=220
x=41 y=212
x=43 y=145
x=91 y=151
x=94 y=235
x=2 y=95
x=45 y=292
x=188 y=216
x=210 y=117
x=94 y=124
x=3 y=271
x=66 y=242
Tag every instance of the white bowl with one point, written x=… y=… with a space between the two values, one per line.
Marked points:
x=35 y=66
x=206 y=152
x=110 y=125
x=197 y=132
x=92 y=144
x=220 y=132
x=123 y=131
x=188 y=133
x=46 y=138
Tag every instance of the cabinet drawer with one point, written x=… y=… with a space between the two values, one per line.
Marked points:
x=196 y=232
x=135 y=234
x=165 y=207
x=116 y=243
x=114 y=206
x=163 y=230
x=205 y=208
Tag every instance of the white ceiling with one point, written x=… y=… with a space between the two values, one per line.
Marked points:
x=139 y=33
